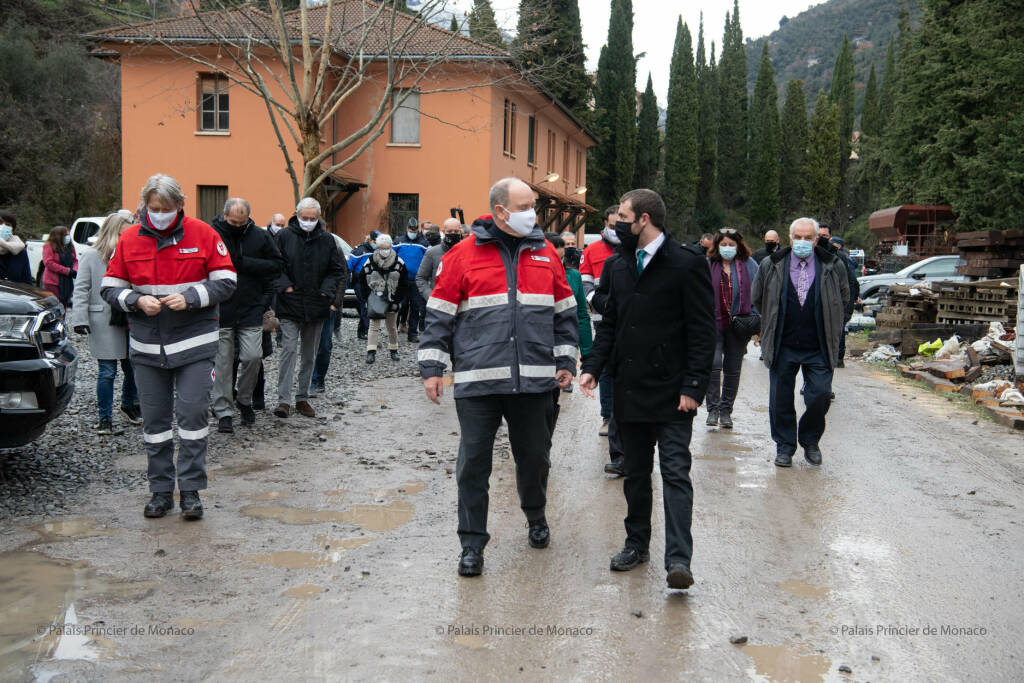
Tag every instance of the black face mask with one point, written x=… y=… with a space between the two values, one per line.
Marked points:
x=451 y=239
x=572 y=257
x=623 y=230
x=433 y=238
x=771 y=247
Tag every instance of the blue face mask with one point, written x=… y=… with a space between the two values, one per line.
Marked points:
x=727 y=252
x=67 y=239
x=803 y=248
x=5 y=232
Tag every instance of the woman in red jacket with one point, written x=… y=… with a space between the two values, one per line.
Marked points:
x=61 y=264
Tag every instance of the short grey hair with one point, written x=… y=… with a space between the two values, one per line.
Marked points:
x=308 y=203
x=165 y=188
x=235 y=201
x=500 y=190
x=798 y=221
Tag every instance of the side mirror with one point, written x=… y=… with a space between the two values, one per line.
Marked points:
x=919 y=275
x=92 y=239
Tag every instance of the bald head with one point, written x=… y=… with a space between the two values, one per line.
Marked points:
x=771 y=236
x=509 y=196
x=451 y=225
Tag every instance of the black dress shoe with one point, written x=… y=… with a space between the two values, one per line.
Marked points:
x=414 y=338
x=725 y=421
x=394 y=355
x=159 y=505
x=783 y=459
x=616 y=467
x=191 y=508
x=628 y=559
x=471 y=563
x=371 y=356
x=224 y=426
x=712 y=420
x=361 y=335
x=679 y=577
x=540 y=535
x=248 y=414
x=812 y=454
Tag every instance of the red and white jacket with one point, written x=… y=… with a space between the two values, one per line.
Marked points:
x=506 y=322
x=188 y=258
x=591 y=266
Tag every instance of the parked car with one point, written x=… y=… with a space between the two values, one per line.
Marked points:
x=37 y=363
x=933 y=269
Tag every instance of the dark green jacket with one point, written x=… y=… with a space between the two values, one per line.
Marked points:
x=582 y=309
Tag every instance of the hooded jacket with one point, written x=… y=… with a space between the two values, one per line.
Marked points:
x=312 y=267
x=189 y=258
x=505 y=321
x=258 y=262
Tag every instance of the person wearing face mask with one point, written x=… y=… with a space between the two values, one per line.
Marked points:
x=306 y=290
x=771 y=243
x=503 y=315
x=433 y=235
x=592 y=263
x=657 y=336
x=14 y=264
x=732 y=272
x=356 y=259
x=801 y=292
x=169 y=274
x=258 y=263
x=277 y=223
x=432 y=258
x=60 y=263
x=385 y=276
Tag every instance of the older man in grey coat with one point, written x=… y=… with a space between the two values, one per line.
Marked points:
x=801 y=292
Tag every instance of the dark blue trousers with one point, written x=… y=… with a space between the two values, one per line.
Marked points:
x=817 y=373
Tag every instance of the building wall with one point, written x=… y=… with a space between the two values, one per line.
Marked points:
x=459 y=156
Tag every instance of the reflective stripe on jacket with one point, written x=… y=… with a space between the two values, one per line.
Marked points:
x=190 y=259
x=500 y=342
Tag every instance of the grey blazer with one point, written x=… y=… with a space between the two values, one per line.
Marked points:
x=88 y=308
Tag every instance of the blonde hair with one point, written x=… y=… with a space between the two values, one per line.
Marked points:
x=110 y=232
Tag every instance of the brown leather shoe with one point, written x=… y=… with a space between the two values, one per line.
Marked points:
x=282 y=410
x=304 y=408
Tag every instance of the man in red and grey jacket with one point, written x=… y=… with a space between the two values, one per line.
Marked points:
x=503 y=314
x=169 y=273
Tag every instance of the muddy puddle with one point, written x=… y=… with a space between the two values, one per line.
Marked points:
x=245 y=467
x=303 y=592
x=410 y=489
x=369 y=517
x=40 y=600
x=785 y=664
x=70 y=529
x=802 y=589
x=272 y=495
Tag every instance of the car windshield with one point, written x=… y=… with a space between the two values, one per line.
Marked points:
x=915 y=266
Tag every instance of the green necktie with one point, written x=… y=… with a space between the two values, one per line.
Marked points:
x=640 y=261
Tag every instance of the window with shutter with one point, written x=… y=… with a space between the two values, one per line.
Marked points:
x=214 y=109
x=405 y=124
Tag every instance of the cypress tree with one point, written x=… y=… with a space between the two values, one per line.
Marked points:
x=870 y=125
x=647 y=140
x=615 y=109
x=454 y=28
x=708 y=213
x=843 y=95
x=732 y=113
x=821 y=184
x=549 y=44
x=764 y=146
x=887 y=91
x=482 y=24
x=680 y=189
x=793 y=151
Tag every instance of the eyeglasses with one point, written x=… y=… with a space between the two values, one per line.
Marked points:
x=729 y=231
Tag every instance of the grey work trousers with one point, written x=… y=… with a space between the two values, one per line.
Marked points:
x=250 y=353
x=164 y=392
x=297 y=339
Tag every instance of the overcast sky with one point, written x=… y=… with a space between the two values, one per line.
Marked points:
x=654 y=27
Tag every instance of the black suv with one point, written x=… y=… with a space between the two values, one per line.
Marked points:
x=37 y=362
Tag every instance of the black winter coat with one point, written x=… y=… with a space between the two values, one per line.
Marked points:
x=313 y=267
x=657 y=333
x=258 y=263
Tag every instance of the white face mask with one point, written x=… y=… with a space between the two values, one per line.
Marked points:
x=308 y=226
x=161 y=221
x=5 y=231
x=609 y=234
x=412 y=235
x=727 y=252
x=523 y=222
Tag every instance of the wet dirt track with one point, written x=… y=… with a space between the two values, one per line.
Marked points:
x=336 y=560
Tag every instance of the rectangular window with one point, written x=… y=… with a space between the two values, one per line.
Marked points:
x=402 y=207
x=551 y=151
x=565 y=159
x=405 y=124
x=579 y=167
x=211 y=201
x=531 y=141
x=213 y=108
x=508 y=138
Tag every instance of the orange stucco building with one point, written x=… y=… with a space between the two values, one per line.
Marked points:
x=442 y=150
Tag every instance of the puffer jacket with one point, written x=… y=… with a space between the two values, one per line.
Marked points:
x=499 y=342
x=768 y=296
x=257 y=261
x=189 y=258
x=313 y=268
